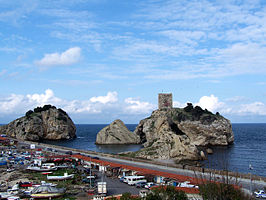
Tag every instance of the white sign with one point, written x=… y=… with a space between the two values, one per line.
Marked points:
x=32 y=146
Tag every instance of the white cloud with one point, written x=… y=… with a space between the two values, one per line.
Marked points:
x=236 y=99
x=138 y=107
x=19 y=104
x=187 y=37
x=213 y=104
x=210 y=103
x=256 y=108
x=88 y=107
x=177 y=104
x=111 y=97
x=3 y=72
x=67 y=57
x=12 y=104
x=108 y=105
x=226 y=39
x=42 y=99
x=240 y=58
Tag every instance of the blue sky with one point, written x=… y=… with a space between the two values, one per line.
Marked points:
x=106 y=59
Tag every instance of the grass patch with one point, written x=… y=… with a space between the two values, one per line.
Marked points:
x=38 y=177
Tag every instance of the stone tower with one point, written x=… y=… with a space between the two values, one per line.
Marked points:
x=165 y=100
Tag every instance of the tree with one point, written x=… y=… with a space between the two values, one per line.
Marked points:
x=29 y=113
x=189 y=107
x=166 y=193
x=221 y=191
x=125 y=196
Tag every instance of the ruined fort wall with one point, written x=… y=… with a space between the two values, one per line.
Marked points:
x=165 y=100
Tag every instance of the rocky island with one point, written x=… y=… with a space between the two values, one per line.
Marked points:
x=116 y=133
x=178 y=134
x=182 y=133
x=45 y=122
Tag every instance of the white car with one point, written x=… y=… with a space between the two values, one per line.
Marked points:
x=260 y=194
x=149 y=185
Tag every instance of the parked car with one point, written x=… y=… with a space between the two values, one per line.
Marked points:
x=140 y=184
x=149 y=185
x=89 y=179
x=68 y=152
x=260 y=194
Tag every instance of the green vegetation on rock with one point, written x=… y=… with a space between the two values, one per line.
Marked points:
x=37 y=112
x=193 y=114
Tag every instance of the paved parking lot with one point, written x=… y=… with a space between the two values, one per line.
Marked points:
x=114 y=186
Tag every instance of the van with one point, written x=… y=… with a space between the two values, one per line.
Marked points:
x=133 y=180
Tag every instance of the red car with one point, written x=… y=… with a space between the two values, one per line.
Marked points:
x=25 y=184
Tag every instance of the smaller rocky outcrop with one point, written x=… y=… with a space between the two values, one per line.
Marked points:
x=209 y=151
x=45 y=122
x=116 y=133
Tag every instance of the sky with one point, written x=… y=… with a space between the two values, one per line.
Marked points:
x=101 y=60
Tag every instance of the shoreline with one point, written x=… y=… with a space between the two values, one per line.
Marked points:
x=153 y=162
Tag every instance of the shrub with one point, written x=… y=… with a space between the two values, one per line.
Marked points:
x=189 y=107
x=44 y=108
x=125 y=196
x=221 y=191
x=226 y=189
x=29 y=113
x=166 y=193
x=60 y=110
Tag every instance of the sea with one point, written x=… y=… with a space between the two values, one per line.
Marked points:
x=246 y=155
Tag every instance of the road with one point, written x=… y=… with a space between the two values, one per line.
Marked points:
x=245 y=183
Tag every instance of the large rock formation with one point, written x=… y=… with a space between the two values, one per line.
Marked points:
x=116 y=133
x=179 y=133
x=46 y=122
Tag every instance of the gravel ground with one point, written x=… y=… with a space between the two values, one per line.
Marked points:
x=11 y=178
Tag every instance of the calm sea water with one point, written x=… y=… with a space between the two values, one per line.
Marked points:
x=86 y=137
x=249 y=147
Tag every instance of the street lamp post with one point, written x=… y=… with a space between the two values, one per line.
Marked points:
x=90 y=172
x=250 y=168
